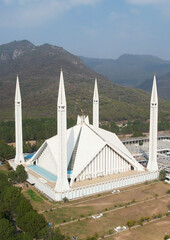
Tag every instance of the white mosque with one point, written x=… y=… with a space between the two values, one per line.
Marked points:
x=84 y=159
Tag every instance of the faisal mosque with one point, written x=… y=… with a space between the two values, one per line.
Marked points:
x=84 y=159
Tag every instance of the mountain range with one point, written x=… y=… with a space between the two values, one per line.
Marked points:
x=39 y=67
x=134 y=71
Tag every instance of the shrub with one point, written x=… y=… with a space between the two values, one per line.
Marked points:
x=91 y=238
x=131 y=223
x=159 y=215
x=65 y=199
x=168 y=192
x=162 y=175
x=147 y=219
x=166 y=237
x=143 y=219
x=140 y=223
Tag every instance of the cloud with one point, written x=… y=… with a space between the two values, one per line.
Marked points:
x=114 y=16
x=147 y=2
x=90 y=32
x=7 y=2
x=162 y=6
x=21 y=13
x=135 y=11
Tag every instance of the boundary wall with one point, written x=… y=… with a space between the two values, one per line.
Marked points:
x=84 y=191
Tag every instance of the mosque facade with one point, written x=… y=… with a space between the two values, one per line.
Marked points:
x=84 y=159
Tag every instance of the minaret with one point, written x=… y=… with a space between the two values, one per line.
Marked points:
x=62 y=182
x=19 y=158
x=95 y=106
x=152 y=163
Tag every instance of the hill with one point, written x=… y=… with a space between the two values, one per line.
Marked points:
x=39 y=69
x=129 y=70
x=163 y=84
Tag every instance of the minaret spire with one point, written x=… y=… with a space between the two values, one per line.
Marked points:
x=152 y=163
x=95 y=106
x=62 y=182
x=19 y=158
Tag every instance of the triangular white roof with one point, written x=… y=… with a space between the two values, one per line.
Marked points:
x=89 y=141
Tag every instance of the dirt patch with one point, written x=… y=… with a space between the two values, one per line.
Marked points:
x=116 y=218
x=150 y=231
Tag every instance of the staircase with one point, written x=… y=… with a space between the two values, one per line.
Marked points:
x=73 y=156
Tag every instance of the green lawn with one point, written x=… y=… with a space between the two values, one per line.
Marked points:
x=3 y=171
x=34 y=196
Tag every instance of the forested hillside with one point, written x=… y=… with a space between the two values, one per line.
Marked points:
x=129 y=70
x=163 y=85
x=39 y=69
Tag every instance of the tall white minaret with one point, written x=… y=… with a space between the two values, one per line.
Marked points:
x=19 y=158
x=62 y=182
x=152 y=163
x=95 y=106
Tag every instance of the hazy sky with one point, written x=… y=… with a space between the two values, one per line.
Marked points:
x=91 y=28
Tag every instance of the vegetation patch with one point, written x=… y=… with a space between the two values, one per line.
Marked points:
x=34 y=196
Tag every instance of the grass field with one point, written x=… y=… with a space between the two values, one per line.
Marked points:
x=34 y=196
x=37 y=200
x=105 y=203
x=132 y=203
x=116 y=218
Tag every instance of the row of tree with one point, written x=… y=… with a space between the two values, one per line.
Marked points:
x=18 y=220
x=33 y=129
x=43 y=128
x=8 y=152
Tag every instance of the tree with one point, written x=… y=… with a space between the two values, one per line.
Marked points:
x=6 y=229
x=13 y=176
x=32 y=222
x=23 y=207
x=11 y=198
x=162 y=175
x=113 y=127
x=131 y=223
x=16 y=211
x=24 y=236
x=6 y=151
x=21 y=174
x=3 y=182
